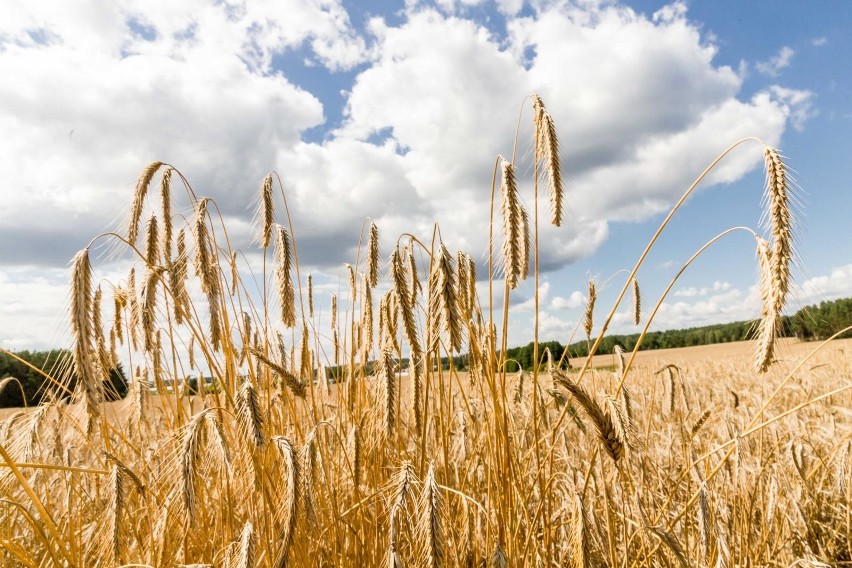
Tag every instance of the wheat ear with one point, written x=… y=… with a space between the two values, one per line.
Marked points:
x=373 y=256
x=114 y=511
x=81 y=328
x=286 y=293
x=609 y=434
x=637 y=302
x=246 y=552
x=291 y=500
x=386 y=377
x=767 y=328
x=430 y=527
x=547 y=153
x=266 y=213
x=588 y=316
x=512 y=225
x=443 y=307
x=248 y=413
x=139 y=199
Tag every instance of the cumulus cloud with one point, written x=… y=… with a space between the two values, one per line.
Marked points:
x=837 y=284
x=575 y=300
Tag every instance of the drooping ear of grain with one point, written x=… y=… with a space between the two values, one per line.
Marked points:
x=547 y=154
x=308 y=470
x=115 y=510
x=248 y=413
x=498 y=557
x=580 y=541
x=191 y=453
x=612 y=439
x=286 y=293
x=413 y=275
x=296 y=386
x=207 y=270
x=178 y=275
x=373 y=256
x=139 y=200
x=402 y=292
x=430 y=528
x=246 y=552
x=768 y=325
x=82 y=330
x=443 y=306
x=291 y=500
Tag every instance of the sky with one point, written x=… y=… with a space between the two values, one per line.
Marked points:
x=396 y=111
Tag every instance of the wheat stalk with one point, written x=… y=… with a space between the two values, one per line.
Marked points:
x=310 y=296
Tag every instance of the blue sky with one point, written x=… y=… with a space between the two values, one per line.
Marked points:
x=396 y=111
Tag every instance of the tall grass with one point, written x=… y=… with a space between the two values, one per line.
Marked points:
x=378 y=462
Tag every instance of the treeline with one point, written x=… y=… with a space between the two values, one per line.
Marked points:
x=810 y=323
x=823 y=320
x=32 y=386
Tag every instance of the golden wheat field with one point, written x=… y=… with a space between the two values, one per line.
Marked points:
x=350 y=444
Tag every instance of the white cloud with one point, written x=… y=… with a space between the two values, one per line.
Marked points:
x=773 y=66
x=799 y=104
x=574 y=301
x=837 y=284
x=819 y=41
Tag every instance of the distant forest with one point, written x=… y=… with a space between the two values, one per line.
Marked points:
x=810 y=323
x=31 y=384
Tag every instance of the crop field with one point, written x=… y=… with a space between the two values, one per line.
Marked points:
x=347 y=442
